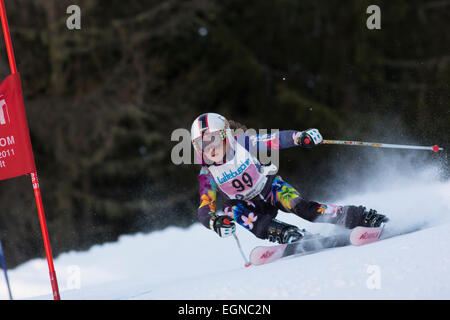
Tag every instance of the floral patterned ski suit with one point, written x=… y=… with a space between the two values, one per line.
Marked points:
x=256 y=214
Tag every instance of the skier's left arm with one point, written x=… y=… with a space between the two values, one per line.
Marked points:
x=208 y=194
x=282 y=139
x=223 y=225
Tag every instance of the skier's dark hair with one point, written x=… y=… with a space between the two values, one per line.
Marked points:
x=234 y=125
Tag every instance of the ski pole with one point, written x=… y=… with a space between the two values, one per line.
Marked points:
x=5 y=271
x=247 y=263
x=434 y=148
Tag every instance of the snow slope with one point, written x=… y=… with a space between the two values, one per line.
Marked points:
x=194 y=263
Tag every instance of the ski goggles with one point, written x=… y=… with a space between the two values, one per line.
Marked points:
x=209 y=141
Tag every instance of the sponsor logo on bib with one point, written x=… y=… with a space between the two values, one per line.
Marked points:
x=226 y=176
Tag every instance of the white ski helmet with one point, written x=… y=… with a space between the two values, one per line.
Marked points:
x=207 y=125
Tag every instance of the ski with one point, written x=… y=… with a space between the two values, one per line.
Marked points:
x=310 y=244
x=313 y=243
x=363 y=235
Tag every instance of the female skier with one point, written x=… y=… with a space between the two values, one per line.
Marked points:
x=254 y=194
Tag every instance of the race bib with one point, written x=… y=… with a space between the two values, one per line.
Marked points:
x=240 y=179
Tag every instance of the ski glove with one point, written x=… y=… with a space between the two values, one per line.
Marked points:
x=224 y=226
x=310 y=138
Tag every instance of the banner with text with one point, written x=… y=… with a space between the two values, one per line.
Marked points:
x=16 y=154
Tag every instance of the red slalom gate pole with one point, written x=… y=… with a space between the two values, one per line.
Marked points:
x=48 y=250
x=34 y=177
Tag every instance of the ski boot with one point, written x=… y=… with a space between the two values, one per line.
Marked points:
x=353 y=216
x=373 y=219
x=282 y=232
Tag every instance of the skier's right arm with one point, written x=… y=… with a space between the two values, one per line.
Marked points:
x=224 y=226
